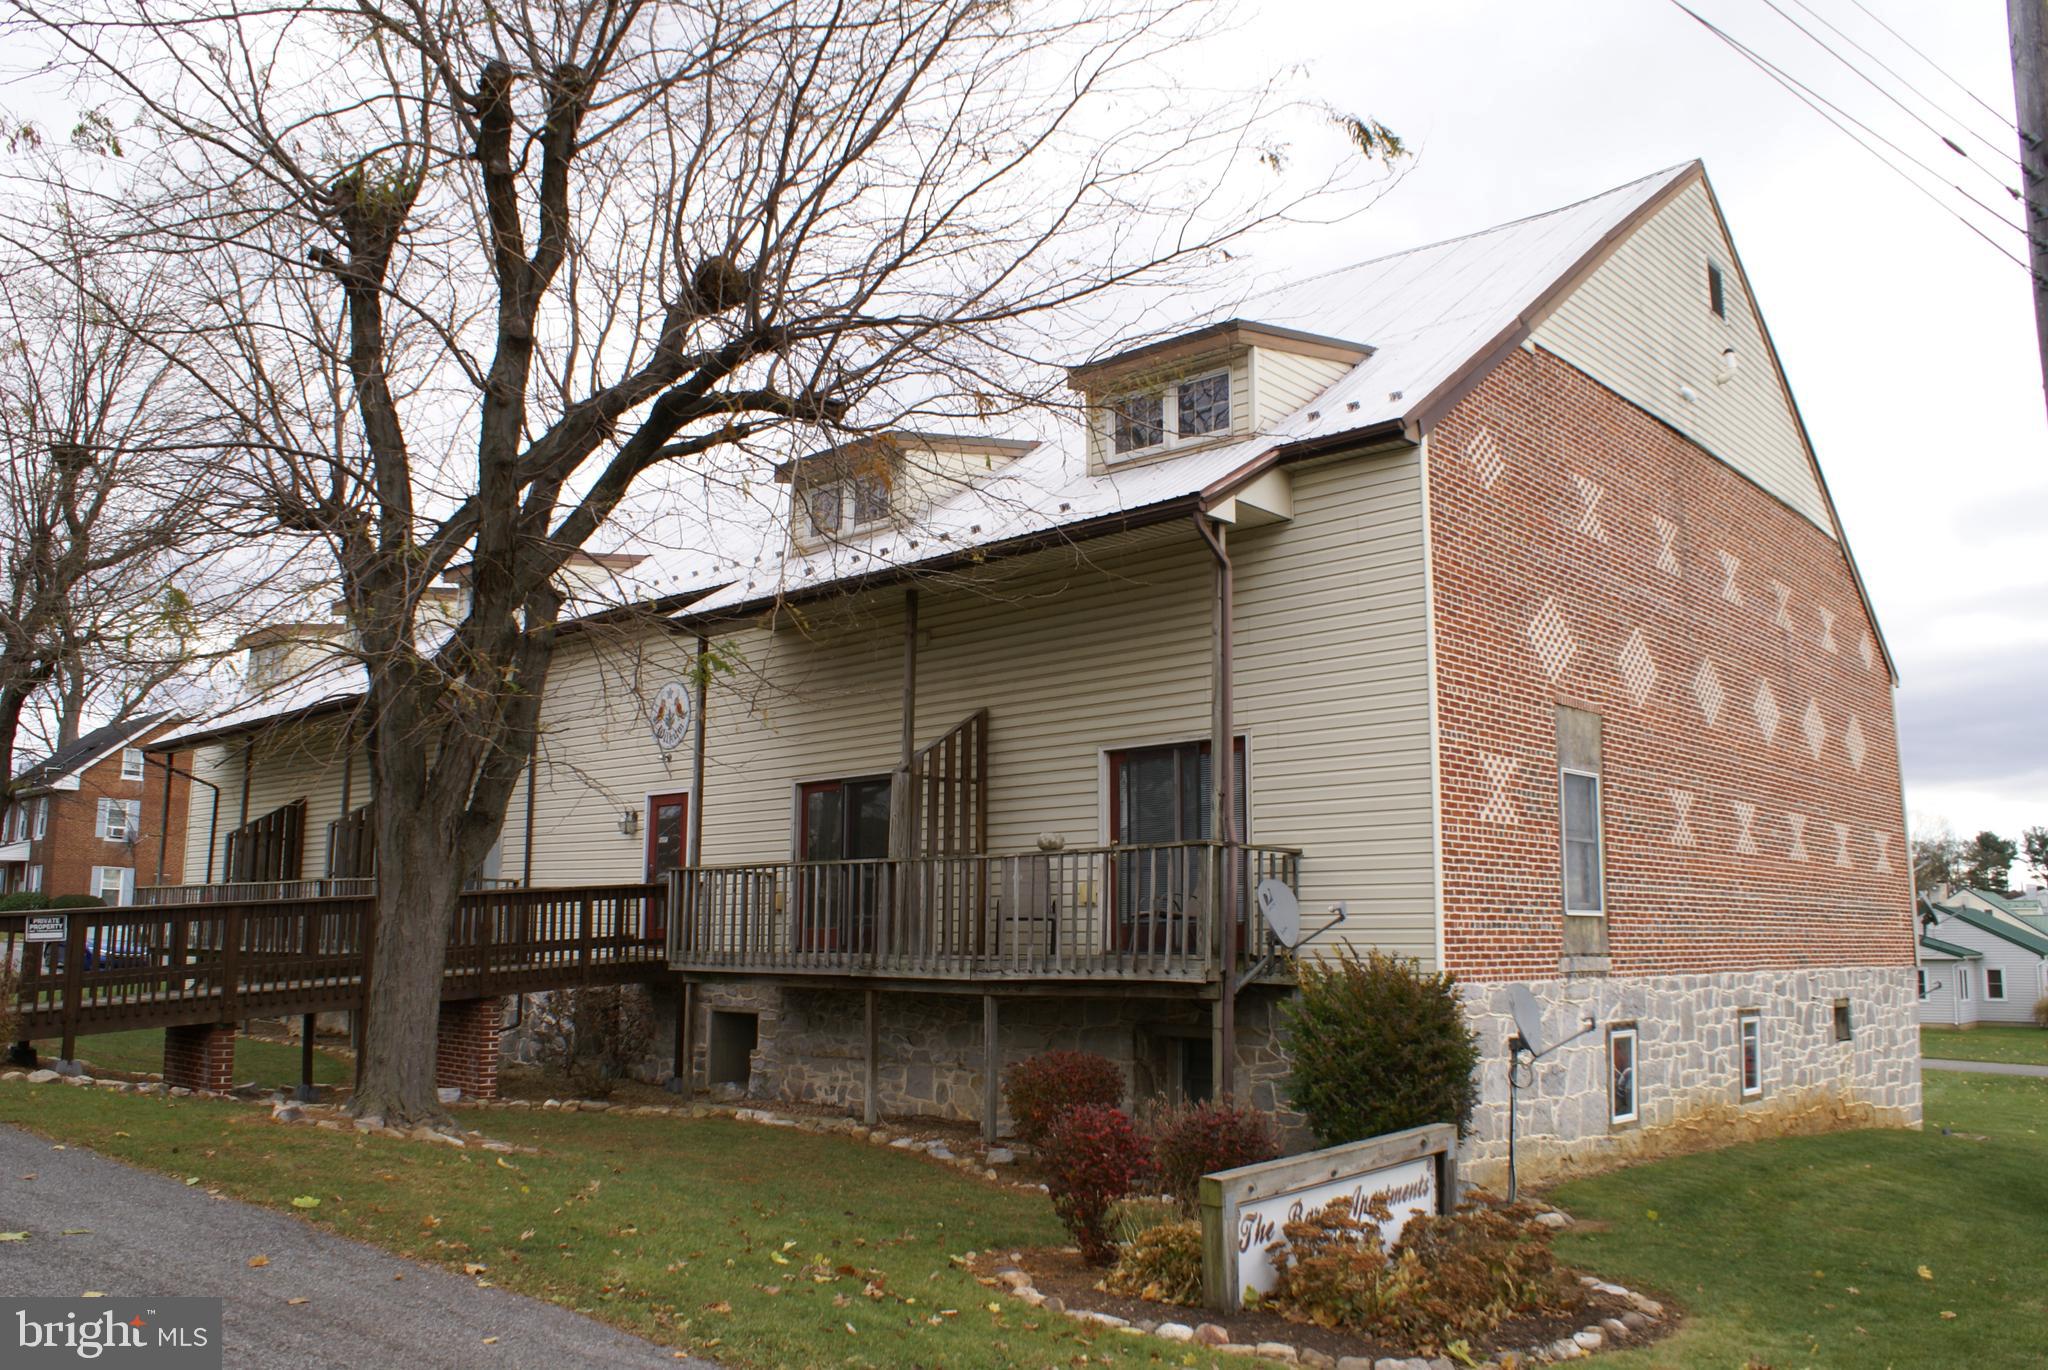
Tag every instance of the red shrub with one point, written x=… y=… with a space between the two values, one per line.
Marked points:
x=1040 y=1089
x=1092 y=1156
x=1198 y=1139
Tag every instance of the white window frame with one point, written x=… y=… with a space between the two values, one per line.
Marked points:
x=1635 y=1076
x=16 y=827
x=1170 y=435
x=1564 y=844
x=1962 y=982
x=847 y=497
x=139 y=769
x=1749 y=1026
x=124 y=883
x=130 y=827
x=1998 y=995
x=32 y=878
x=42 y=817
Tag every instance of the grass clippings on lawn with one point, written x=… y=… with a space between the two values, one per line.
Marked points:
x=1880 y=1248
x=2009 y=1043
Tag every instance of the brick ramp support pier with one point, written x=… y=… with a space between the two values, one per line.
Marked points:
x=466 y=1053
x=200 y=1056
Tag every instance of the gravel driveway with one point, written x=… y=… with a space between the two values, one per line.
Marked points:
x=151 y=1235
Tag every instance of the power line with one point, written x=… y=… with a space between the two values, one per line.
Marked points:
x=1909 y=111
x=1935 y=66
x=1822 y=106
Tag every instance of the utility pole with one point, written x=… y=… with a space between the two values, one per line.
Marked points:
x=2028 y=22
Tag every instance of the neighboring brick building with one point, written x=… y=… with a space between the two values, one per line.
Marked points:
x=92 y=817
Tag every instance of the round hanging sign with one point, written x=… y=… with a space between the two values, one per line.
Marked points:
x=670 y=719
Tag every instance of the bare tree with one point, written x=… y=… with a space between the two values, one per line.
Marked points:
x=474 y=272
x=99 y=502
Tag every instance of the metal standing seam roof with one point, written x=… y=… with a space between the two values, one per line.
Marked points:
x=1996 y=926
x=1433 y=315
x=1935 y=944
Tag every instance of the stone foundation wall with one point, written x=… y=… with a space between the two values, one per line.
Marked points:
x=811 y=1045
x=1689 y=1083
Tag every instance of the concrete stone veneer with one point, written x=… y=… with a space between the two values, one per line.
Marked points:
x=1689 y=1082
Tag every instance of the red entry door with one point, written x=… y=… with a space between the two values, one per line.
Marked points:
x=668 y=844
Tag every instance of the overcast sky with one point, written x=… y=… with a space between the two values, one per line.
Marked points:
x=1909 y=342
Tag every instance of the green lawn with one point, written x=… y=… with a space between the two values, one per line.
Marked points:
x=2016 y=1044
x=1810 y=1251
x=257 y=1061
x=756 y=1246
x=763 y=1246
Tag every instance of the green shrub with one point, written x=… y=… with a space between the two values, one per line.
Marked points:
x=1041 y=1088
x=1162 y=1263
x=24 y=901
x=594 y=1036
x=1377 y=1046
x=2041 y=1012
x=78 y=901
x=1092 y=1156
x=1194 y=1140
x=1447 y=1279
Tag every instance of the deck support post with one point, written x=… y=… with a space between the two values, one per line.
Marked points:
x=305 y=1093
x=871 y=1108
x=991 y=1069
x=1223 y=787
x=684 y=1067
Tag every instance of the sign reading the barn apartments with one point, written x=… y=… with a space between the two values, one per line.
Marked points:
x=1245 y=1211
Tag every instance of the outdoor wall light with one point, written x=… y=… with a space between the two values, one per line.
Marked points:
x=629 y=821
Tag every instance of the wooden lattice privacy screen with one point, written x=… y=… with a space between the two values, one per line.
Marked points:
x=270 y=847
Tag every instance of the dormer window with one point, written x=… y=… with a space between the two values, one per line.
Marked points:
x=850 y=503
x=1145 y=420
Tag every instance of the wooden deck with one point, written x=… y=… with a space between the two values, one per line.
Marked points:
x=1139 y=918
x=220 y=961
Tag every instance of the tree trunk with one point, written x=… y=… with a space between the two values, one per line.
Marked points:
x=419 y=882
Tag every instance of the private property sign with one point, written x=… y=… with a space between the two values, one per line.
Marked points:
x=45 y=927
x=1243 y=1210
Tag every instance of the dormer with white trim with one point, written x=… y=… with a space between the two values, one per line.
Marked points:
x=1216 y=384
x=885 y=480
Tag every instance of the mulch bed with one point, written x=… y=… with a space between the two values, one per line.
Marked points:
x=1060 y=1273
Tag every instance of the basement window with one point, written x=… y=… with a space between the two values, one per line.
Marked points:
x=1621 y=1076
x=1844 y=1030
x=1751 y=1037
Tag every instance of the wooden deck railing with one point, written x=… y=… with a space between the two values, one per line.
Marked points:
x=216 y=962
x=1124 y=912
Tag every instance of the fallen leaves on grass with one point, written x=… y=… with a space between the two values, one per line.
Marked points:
x=13 y=1236
x=1925 y=1273
x=305 y=1201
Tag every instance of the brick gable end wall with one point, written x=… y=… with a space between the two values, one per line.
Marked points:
x=1584 y=554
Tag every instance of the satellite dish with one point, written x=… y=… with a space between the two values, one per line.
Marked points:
x=1528 y=1017
x=1281 y=910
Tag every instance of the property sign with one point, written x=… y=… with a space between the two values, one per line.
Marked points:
x=669 y=719
x=46 y=927
x=1245 y=1210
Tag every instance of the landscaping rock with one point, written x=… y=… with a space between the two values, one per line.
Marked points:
x=1591 y=1338
x=1614 y=1327
x=287 y=1113
x=1554 y=1219
x=42 y=1077
x=1321 y=1360
x=1634 y=1321
x=1650 y=1307
x=1054 y=1304
x=1174 y=1331
x=177 y=1091
x=1001 y=1155
x=1356 y=1363
x=12 y=1075
x=1209 y=1334
x=1277 y=1350
x=907 y=1144
x=939 y=1151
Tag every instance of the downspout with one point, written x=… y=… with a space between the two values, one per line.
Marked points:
x=1223 y=769
x=526 y=848
x=212 y=822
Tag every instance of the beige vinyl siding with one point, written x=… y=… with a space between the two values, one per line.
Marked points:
x=1641 y=326
x=290 y=764
x=1074 y=653
x=1288 y=382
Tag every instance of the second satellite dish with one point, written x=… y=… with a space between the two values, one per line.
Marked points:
x=1528 y=1017
x=1281 y=910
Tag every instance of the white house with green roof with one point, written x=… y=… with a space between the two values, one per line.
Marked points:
x=1981 y=961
